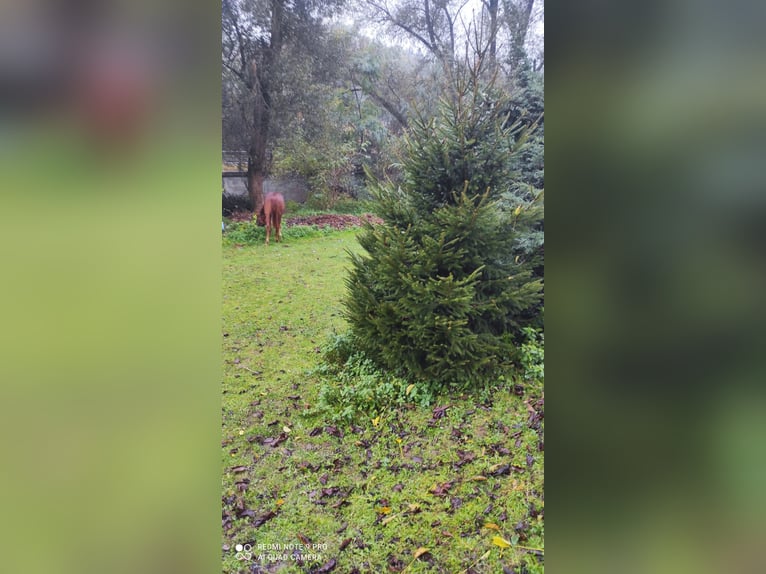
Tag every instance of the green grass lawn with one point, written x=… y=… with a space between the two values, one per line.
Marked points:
x=464 y=482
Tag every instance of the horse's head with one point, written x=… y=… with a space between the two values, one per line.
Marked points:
x=261 y=218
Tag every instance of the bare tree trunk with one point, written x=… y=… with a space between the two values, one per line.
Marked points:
x=518 y=17
x=492 y=8
x=261 y=92
x=390 y=107
x=255 y=186
x=256 y=153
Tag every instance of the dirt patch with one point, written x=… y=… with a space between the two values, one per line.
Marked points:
x=241 y=215
x=334 y=220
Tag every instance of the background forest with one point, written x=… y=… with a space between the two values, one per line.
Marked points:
x=325 y=89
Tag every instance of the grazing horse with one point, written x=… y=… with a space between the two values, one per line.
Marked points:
x=270 y=214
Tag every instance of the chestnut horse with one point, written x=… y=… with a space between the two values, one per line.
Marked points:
x=270 y=214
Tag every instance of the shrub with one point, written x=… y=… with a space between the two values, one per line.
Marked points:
x=249 y=233
x=246 y=232
x=532 y=355
x=440 y=295
x=292 y=206
x=353 y=386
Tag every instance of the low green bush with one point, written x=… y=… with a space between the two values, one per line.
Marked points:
x=292 y=206
x=531 y=355
x=352 y=386
x=353 y=206
x=249 y=233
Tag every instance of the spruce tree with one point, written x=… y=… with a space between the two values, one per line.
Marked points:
x=438 y=295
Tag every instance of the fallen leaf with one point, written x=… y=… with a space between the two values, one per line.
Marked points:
x=409 y=389
x=343 y=544
x=499 y=469
x=384 y=509
x=275 y=441
x=280 y=501
x=441 y=489
x=262 y=519
x=375 y=421
x=241 y=468
x=413 y=507
x=303 y=538
x=501 y=542
x=327 y=567
x=478 y=478
x=464 y=457
x=492 y=526
x=334 y=431
x=521 y=529
x=286 y=428
x=340 y=503
x=420 y=551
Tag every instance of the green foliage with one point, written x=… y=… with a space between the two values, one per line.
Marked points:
x=244 y=232
x=338 y=350
x=292 y=206
x=527 y=107
x=324 y=160
x=354 y=206
x=302 y=281
x=248 y=233
x=531 y=355
x=439 y=295
x=354 y=387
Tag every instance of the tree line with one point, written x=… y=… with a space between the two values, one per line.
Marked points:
x=326 y=89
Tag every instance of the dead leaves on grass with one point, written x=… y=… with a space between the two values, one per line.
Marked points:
x=442 y=489
x=328 y=566
x=474 y=449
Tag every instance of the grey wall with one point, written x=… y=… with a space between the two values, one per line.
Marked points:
x=293 y=189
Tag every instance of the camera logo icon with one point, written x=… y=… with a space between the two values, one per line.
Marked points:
x=244 y=552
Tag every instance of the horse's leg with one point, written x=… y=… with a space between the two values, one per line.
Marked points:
x=278 y=217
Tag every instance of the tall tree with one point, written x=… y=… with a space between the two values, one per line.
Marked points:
x=257 y=35
x=435 y=25
x=518 y=17
x=438 y=295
